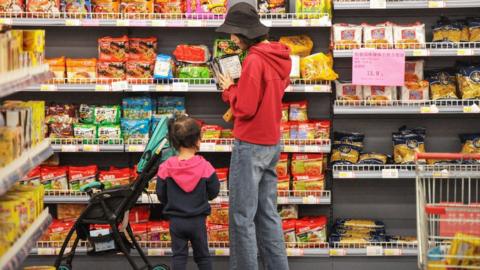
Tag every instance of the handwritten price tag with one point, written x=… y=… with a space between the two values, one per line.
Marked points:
x=378 y=67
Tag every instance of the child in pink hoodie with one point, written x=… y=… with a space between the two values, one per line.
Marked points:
x=185 y=184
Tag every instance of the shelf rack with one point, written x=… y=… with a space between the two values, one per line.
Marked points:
x=18 y=80
x=16 y=170
x=154 y=19
x=373 y=249
x=403 y=4
x=17 y=253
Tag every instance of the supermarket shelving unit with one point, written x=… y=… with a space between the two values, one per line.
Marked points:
x=402 y=4
x=471 y=107
x=17 y=80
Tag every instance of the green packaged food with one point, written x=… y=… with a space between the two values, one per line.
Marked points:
x=226 y=47
x=194 y=72
x=107 y=114
x=87 y=132
x=109 y=132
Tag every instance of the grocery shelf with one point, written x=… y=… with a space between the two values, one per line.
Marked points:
x=154 y=19
x=289 y=146
x=403 y=4
x=17 y=169
x=13 y=258
x=18 y=80
x=315 y=197
x=418 y=50
x=407 y=107
x=87 y=145
x=373 y=249
x=173 y=85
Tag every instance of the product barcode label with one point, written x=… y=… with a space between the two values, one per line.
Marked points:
x=222 y=252
x=119 y=86
x=378 y=4
x=180 y=86
x=465 y=52
x=91 y=148
x=471 y=109
x=392 y=252
x=429 y=109
x=140 y=87
x=207 y=147
x=69 y=148
x=123 y=22
x=156 y=252
x=420 y=52
x=337 y=252
x=72 y=22
x=295 y=252
x=374 y=251
x=346 y=175
x=48 y=87
x=299 y=23
x=159 y=23
x=389 y=173
x=436 y=4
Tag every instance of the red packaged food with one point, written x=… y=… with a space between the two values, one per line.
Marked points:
x=113 y=49
x=136 y=6
x=115 y=178
x=33 y=177
x=79 y=176
x=196 y=54
x=13 y=6
x=322 y=129
x=54 y=177
x=140 y=231
x=307 y=164
x=60 y=113
x=298 y=111
x=110 y=70
x=43 y=6
x=139 y=214
x=219 y=214
x=283 y=184
x=57 y=231
x=144 y=49
x=217 y=233
x=105 y=6
x=311 y=229
x=282 y=165
x=159 y=231
x=60 y=130
x=285 y=131
x=211 y=132
x=222 y=174
x=170 y=6
x=69 y=212
x=285 y=108
x=289 y=235
x=140 y=69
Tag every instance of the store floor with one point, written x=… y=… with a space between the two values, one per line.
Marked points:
x=300 y=263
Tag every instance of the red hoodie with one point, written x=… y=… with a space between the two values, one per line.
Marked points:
x=256 y=101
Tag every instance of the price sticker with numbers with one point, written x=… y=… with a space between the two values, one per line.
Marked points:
x=420 y=52
x=180 y=86
x=316 y=88
x=69 y=148
x=156 y=252
x=374 y=251
x=337 y=252
x=72 y=22
x=378 y=4
x=223 y=148
x=346 y=174
x=471 y=109
x=207 y=147
x=465 y=52
x=102 y=88
x=429 y=109
x=295 y=252
x=136 y=148
x=123 y=22
x=222 y=252
x=392 y=252
x=163 y=88
x=390 y=173
x=119 y=86
x=436 y=4
x=91 y=148
x=48 y=87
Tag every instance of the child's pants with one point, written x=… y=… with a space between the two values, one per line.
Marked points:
x=193 y=229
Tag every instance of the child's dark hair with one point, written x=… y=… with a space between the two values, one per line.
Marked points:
x=183 y=131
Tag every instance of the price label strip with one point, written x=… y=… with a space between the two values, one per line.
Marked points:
x=102 y=88
x=222 y=252
x=429 y=109
x=123 y=22
x=48 y=87
x=135 y=148
x=180 y=87
x=392 y=252
x=346 y=175
x=420 y=52
x=119 y=86
x=283 y=200
x=378 y=4
x=159 y=23
x=390 y=173
x=156 y=252
x=465 y=52
x=6 y=21
x=337 y=252
x=436 y=4
x=310 y=200
x=195 y=23
x=295 y=252
x=299 y=23
x=471 y=109
x=374 y=251
x=91 y=148
x=69 y=148
x=72 y=22
x=207 y=147
x=267 y=23
x=316 y=88
x=290 y=148
x=163 y=88
x=140 y=87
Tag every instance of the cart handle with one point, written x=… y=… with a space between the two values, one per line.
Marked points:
x=448 y=156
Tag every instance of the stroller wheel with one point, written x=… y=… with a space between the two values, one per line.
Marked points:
x=160 y=267
x=64 y=267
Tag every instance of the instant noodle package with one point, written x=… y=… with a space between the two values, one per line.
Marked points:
x=313 y=8
x=110 y=70
x=114 y=177
x=170 y=6
x=207 y=7
x=80 y=69
x=136 y=6
x=81 y=175
x=272 y=6
x=305 y=230
x=113 y=48
x=13 y=6
x=106 y=6
x=77 y=6
x=217 y=233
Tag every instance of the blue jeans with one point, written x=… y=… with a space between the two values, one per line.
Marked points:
x=254 y=219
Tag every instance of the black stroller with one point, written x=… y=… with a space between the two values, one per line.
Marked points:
x=111 y=207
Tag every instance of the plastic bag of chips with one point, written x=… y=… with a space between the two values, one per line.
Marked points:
x=299 y=45
x=318 y=67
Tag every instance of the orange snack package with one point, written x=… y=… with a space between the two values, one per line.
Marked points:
x=136 y=6
x=82 y=68
x=170 y=6
x=110 y=70
x=219 y=214
x=105 y=6
x=140 y=69
x=144 y=49
x=57 y=66
x=113 y=49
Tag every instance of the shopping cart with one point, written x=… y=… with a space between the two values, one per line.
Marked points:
x=448 y=211
x=109 y=209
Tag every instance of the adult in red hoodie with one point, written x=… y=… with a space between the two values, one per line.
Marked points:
x=256 y=104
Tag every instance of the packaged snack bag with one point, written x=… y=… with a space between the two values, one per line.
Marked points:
x=293 y=127
x=105 y=6
x=348 y=92
x=144 y=49
x=33 y=178
x=285 y=131
x=137 y=108
x=60 y=113
x=114 y=178
x=272 y=6
x=139 y=69
x=295 y=72
x=170 y=6
x=314 y=8
x=299 y=45
x=464 y=250
x=81 y=175
x=469 y=82
x=49 y=6
x=88 y=132
x=110 y=70
x=77 y=6
x=215 y=7
x=373 y=158
x=226 y=47
x=346 y=147
x=307 y=164
x=379 y=94
x=411 y=36
x=217 y=233
x=69 y=212
x=285 y=109
x=86 y=113
x=195 y=54
x=443 y=85
x=379 y=36
x=318 y=67
x=474 y=29
x=57 y=66
x=298 y=111
x=78 y=69
x=106 y=114
x=407 y=142
x=347 y=36
x=288 y=227
x=322 y=129
x=167 y=105
x=54 y=178
x=470 y=143
x=210 y=132
x=113 y=49
x=283 y=183
x=414 y=70
x=447 y=31
x=109 y=132
x=226 y=134
x=139 y=214
x=159 y=231
x=288 y=211
x=304 y=183
x=57 y=231
x=163 y=67
x=415 y=91
x=312 y=229
x=222 y=174
x=12 y=6
x=282 y=165
x=135 y=129
x=136 y=6
x=193 y=72
x=60 y=130
x=219 y=214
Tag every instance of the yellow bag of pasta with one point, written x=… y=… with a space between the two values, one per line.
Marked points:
x=299 y=45
x=318 y=67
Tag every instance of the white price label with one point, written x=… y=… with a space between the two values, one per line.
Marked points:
x=159 y=23
x=299 y=23
x=163 y=88
x=138 y=23
x=420 y=52
x=465 y=52
x=48 y=87
x=295 y=252
x=223 y=148
x=378 y=4
x=69 y=148
x=374 y=251
x=180 y=86
x=282 y=200
x=72 y=22
x=207 y=147
x=310 y=200
x=337 y=252
x=441 y=174
x=119 y=86
x=123 y=22
x=471 y=109
x=156 y=252
x=436 y=4
x=267 y=23
x=324 y=21
x=429 y=109
x=91 y=148
x=136 y=148
x=316 y=88
x=346 y=175
x=195 y=23
x=392 y=252
x=140 y=87
x=222 y=252
x=390 y=173
x=46 y=251
x=90 y=22
x=6 y=21
x=290 y=148
x=102 y=87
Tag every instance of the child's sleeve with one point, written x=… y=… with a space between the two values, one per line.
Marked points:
x=162 y=185
x=213 y=186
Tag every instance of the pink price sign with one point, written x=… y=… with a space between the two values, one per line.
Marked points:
x=378 y=67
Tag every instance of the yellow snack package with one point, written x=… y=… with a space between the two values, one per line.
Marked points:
x=299 y=45
x=318 y=67
x=470 y=143
x=469 y=82
x=464 y=250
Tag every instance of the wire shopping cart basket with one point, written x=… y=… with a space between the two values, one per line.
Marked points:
x=448 y=211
